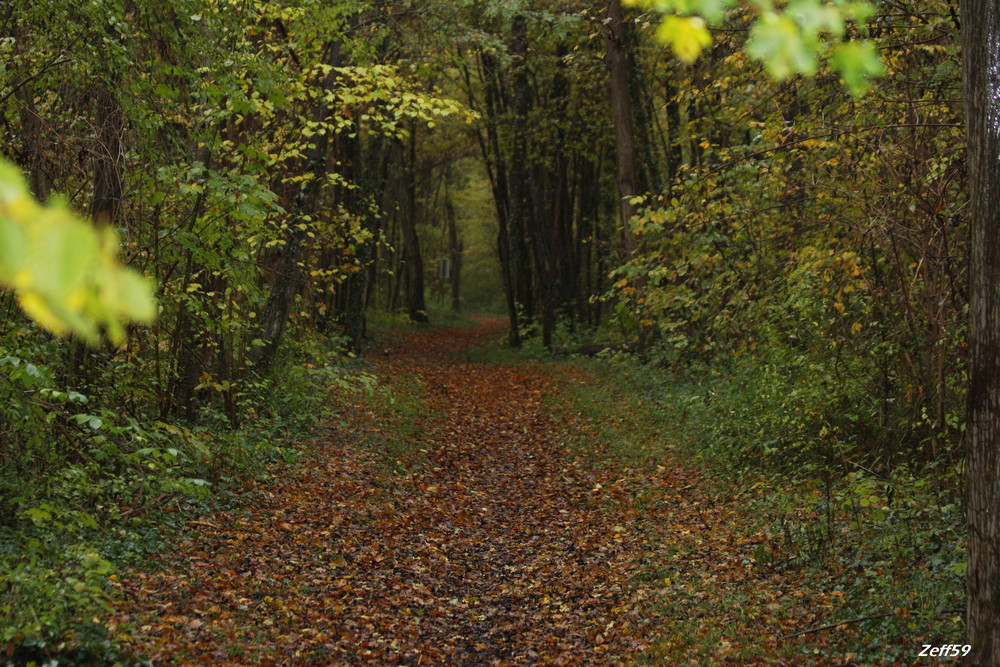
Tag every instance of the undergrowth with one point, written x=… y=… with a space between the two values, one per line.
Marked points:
x=86 y=490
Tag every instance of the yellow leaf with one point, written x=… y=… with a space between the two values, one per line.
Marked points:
x=686 y=35
x=37 y=308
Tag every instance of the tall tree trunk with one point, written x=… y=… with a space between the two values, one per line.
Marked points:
x=587 y=205
x=675 y=133
x=496 y=171
x=981 y=56
x=31 y=156
x=621 y=105
x=105 y=205
x=454 y=251
x=372 y=176
x=647 y=176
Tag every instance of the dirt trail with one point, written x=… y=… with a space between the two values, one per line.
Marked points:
x=503 y=550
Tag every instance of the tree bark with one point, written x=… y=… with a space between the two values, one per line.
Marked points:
x=521 y=209
x=413 y=261
x=981 y=60
x=497 y=171
x=370 y=166
x=109 y=148
x=454 y=252
x=621 y=105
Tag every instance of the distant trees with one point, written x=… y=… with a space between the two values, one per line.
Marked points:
x=545 y=145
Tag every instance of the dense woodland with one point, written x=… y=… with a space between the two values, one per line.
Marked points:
x=288 y=171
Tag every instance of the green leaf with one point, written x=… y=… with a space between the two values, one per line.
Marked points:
x=712 y=10
x=38 y=515
x=12 y=248
x=857 y=62
x=815 y=18
x=777 y=41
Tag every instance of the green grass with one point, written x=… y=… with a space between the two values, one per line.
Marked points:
x=382 y=322
x=501 y=354
x=399 y=416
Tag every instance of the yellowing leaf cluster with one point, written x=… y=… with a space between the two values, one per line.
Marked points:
x=64 y=271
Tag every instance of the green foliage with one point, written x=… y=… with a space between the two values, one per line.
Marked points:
x=788 y=42
x=834 y=308
x=53 y=596
x=88 y=488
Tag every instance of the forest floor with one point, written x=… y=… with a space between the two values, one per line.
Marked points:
x=488 y=539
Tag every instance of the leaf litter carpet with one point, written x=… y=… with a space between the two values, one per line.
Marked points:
x=501 y=547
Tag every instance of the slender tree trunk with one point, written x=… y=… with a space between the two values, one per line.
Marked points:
x=520 y=199
x=371 y=177
x=31 y=156
x=981 y=55
x=454 y=252
x=289 y=276
x=105 y=205
x=413 y=261
x=587 y=190
x=496 y=171
x=648 y=177
x=673 y=150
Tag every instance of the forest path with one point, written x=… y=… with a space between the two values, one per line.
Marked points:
x=500 y=548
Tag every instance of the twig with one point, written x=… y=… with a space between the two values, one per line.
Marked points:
x=858 y=620
x=836 y=625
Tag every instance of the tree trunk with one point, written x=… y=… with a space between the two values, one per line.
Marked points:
x=621 y=104
x=289 y=278
x=520 y=199
x=413 y=261
x=371 y=173
x=981 y=56
x=586 y=211
x=501 y=195
x=454 y=252
x=109 y=148
x=31 y=155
